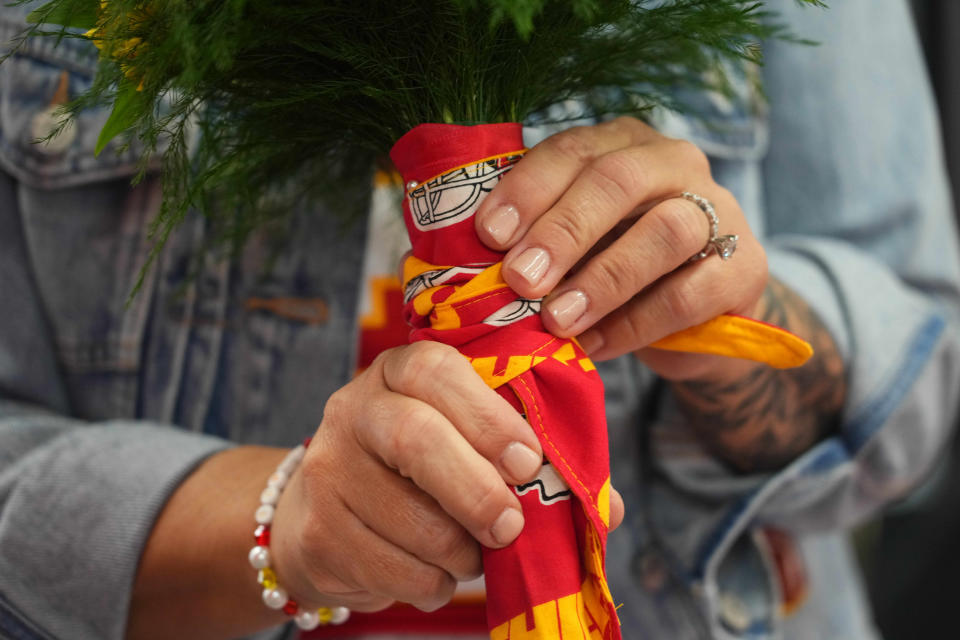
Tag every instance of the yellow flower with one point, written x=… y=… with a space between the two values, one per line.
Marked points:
x=123 y=52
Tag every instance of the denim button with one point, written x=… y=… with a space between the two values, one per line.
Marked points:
x=45 y=123
x=733 y=612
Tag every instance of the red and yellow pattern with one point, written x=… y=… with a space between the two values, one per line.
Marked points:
x=551 y=581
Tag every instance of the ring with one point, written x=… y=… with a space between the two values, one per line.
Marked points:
x=723 y=245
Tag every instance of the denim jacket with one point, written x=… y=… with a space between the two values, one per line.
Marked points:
x=106 y=407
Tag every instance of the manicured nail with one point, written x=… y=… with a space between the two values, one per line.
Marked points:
x=520 y=461
x=567 y=308
x=590 y=342
x=507 y=527
x=501 y=223
x=531 y=264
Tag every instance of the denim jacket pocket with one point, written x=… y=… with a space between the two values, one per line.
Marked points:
x=86 y=246
x=41 y=75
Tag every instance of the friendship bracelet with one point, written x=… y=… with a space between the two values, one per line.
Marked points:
x=275 y=596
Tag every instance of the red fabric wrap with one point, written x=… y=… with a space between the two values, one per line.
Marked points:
x=550 y=582
x=432 y=150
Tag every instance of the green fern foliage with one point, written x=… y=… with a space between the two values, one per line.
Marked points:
x=264 y=104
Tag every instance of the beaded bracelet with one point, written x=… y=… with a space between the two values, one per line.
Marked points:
x=275 y=596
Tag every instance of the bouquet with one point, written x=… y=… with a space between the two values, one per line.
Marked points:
x=262 y=105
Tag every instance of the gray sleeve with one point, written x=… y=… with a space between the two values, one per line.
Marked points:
x=77 y=502
x=77 y=499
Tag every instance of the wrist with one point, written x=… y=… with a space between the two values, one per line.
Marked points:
x=194 y=560
x=274 y=595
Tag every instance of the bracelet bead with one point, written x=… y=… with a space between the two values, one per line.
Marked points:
x=278 y=480
x=339 y=615
x=270 y=495
x=267 y=578
x=264 y=514
x=307 y=620
x=259 y=557
x=275 y=596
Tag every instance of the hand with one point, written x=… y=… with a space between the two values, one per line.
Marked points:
x=594 y=221
x=405 y=474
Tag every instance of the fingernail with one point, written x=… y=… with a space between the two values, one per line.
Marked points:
x=590 y=342
x=567 y=308
x=507 y=527
x=501 y=223
x=531 y=264
x=520 y=461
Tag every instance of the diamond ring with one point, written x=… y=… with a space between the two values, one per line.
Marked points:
x=723 y=245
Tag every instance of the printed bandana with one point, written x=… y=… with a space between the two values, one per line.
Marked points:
x=550 y=582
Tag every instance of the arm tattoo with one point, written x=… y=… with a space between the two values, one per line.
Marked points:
x=766 y=418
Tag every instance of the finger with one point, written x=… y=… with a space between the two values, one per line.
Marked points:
x=420 y=443
x=617 y=509
x=307 y=542
x=606 y=191
x=546 y=171
x=376 y=566
x=399 y=512
x=657 y=243
x=689 y=296
x=438 y=375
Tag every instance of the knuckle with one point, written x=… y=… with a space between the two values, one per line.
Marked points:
x=693 y=156
x=406 y=437
x=497 y=424
x=576 y=143
x=612 y=277
x=680 y=302
x=567 y=229
x=682 y=230
x=492 y=436
x=632 y=328
x=629 y=129
x=624 y=124
x=759 y=273
x=530 y=182
x=617 y=175
x=370 y=421
x=451 y=547
x=419 y=363
x=489 y=500
x=430 y=588
x=382 y=573
x=723 y=198
x=337 y=406
x=386 y=354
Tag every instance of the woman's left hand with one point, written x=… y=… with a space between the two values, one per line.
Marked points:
x=594 y=217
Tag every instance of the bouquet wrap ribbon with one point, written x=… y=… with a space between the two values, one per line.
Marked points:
x=550 y=582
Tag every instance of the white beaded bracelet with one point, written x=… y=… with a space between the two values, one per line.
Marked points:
x=275 y=596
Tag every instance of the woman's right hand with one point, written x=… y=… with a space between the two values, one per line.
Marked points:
x=405 y=474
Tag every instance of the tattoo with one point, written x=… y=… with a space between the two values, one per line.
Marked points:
x=766 y=418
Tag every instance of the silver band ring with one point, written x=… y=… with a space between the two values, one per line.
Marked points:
x=724 y=246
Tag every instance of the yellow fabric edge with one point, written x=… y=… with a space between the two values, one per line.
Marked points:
x=414 y=266
x=739 y=337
